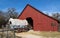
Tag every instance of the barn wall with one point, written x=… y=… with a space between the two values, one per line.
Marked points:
x=40 y=21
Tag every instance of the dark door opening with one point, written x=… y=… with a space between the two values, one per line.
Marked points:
x=30 y=21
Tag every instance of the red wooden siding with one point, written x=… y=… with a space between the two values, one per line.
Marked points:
x=41 y=22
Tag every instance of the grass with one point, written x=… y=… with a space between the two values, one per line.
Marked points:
x=10 y=35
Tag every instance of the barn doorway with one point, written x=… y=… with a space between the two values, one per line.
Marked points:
x=30 y=21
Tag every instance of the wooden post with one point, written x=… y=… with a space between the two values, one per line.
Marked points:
x=14 y=32
x=7 y=31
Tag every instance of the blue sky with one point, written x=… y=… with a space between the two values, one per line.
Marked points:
x=46 y=6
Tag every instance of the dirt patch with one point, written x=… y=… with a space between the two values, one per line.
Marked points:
x=38 y=34
x=26 y=35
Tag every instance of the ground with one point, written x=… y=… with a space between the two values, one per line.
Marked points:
x=38 y=34
x=24 y=35
x=30 y=34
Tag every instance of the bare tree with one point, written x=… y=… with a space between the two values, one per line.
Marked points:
x=56 y=16
x=2 y=18
x=12 y=13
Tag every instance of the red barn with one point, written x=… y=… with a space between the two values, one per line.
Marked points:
x=38 y=20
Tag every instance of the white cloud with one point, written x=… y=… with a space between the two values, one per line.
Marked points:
x=49 y=13
x=5 y=9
